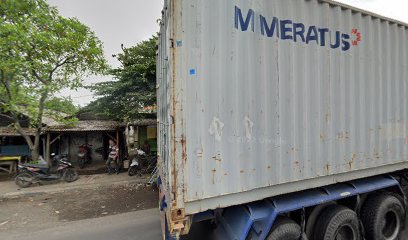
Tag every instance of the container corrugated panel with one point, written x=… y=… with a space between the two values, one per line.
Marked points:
x=269 y=97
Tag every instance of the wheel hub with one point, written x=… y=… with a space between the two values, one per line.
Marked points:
x=345 y=233
x=391 y=226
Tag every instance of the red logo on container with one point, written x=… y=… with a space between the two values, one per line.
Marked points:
x=356 y=37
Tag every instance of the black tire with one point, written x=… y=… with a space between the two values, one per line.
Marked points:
x=132 y=171
x=383 y=216
x=23 y=179
x=314 y=216
x=70 y=175
x=285 y=229
x=337 y=223
x=81 y=163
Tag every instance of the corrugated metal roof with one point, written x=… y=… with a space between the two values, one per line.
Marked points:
x=87 y=126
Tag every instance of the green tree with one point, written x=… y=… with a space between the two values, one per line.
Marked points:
x=41 y=53
x=134 y=88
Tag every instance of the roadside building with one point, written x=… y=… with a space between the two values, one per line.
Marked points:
x=92 y=130
x=140 y=132
x=13 y=147
x=66 y=140
x=11 y=142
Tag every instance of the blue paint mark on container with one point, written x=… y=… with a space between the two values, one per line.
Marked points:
x=193 y=71
x=179 y=43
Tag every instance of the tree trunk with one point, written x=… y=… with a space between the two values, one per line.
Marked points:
x=35 y=154
x=35 y=151
x=25 y=136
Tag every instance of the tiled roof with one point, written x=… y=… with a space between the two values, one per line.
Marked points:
x=11 y=132
x=87 y=126
x=144 y=122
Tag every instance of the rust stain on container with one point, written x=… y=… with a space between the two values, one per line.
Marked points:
x=173 y=100
x=343 y=135
x=217 y=158
x=353 y=159
x=328 y=118
x=200 y=154
x=184 y=149
x=214 y=171
x=322 y=137
x=293 y=149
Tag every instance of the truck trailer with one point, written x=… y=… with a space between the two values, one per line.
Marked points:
x=281 y=120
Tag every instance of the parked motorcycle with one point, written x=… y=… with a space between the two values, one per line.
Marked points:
x=55 y=158
x=135 y=167
x=142 y=164
x=84 y=155
x=29 y=174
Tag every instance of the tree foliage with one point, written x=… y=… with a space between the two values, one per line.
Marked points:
x=42 y=53
x=134 y=88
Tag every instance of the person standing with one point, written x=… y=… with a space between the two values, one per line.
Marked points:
x=113 y=157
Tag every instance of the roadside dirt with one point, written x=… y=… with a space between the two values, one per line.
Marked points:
x=53 y=209
x=79 y=205
x=6 y=177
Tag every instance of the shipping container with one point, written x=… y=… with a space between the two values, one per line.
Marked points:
x=259 y=98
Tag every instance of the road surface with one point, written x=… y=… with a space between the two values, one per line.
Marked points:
x=139 y=225
x=122 y=211
x=109 y=212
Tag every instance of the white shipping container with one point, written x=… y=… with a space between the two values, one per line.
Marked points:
x=265 y=97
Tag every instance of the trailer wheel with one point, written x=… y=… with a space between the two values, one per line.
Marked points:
x=313 y=217
x=337 y=223
x=382 y=217
x=285 y=229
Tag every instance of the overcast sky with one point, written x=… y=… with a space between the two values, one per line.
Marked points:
x=114 y=22
x=397 y=9
x=131 y=21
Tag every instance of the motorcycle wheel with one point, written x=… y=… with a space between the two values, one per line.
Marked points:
x=70 y=175
x=81 y=163
x=23 y=180
x=132 y=171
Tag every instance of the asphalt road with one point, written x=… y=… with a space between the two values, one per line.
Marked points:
x=139 y=225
